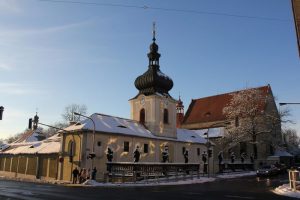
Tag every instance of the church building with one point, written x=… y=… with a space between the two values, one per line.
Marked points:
x=151 y=129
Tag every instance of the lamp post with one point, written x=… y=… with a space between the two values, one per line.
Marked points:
x=1 y=112
x=283 y=104
x=92 y=154
x=207 y=150
x=219 y=124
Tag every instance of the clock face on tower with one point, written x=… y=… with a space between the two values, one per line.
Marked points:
x=142 y=101
x=166 y=102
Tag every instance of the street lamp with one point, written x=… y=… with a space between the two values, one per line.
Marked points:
x=1 y=112
x=207 y=150
x=282 y=104
x=208 y=144
x=92 y=154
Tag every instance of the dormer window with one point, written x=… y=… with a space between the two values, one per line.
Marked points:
x=166 y=116
x=142 y=116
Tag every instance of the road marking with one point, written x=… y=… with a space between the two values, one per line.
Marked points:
x=239 y=197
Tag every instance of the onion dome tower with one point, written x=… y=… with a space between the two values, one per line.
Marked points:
x=153 y=106
x=179 y=113
x=153 y=80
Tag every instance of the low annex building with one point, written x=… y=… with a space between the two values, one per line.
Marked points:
x=29 y=157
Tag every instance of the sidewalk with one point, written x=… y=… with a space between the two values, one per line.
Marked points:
x=285 y=190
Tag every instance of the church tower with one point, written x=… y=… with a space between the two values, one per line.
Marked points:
x=153 y=106
x=179 y=113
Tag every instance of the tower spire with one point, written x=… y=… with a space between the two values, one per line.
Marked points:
x=154 y=32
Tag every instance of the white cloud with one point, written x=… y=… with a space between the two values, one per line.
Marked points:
x=18 y=89
x=9 y=6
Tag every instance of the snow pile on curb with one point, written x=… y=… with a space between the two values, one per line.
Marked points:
x=285 y=190
x=252 y=173
x=182 y=182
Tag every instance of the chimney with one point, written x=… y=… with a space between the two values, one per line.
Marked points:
x=1 y=112
x=30 y=124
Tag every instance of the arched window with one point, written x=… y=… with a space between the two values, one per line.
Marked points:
x=71 y=150
x=142 y=116
x=166 y=116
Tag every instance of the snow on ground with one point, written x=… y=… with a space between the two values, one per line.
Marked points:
x=168 y=181
x=237 y=174
x=150 y=183
x=285 y=190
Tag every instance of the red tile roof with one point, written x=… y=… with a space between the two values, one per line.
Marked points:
x=210 y=109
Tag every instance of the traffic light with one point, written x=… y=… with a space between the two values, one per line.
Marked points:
x=91 y=156
x=209 y=153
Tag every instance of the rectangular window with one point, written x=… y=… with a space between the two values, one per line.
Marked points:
x=146 y=148
x=126 y=146
x=183 y=150
x=198 y=151
x=99 y=143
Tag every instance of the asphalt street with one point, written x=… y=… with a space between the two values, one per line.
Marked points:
x=228 y=189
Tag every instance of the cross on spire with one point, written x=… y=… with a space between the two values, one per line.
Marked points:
x=153 y=32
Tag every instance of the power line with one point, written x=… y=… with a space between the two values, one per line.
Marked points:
x=145 y=7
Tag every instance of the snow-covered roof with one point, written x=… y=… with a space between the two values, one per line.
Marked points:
x=212 y=132
x=48 y=146
x=117 y=125
x=282 y=153
x=111 y=124
x=186 y=135
x=31 y=136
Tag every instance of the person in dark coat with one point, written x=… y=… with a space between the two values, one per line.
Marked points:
x=75 y=173
x=94 y=172
x=79 y=176
x=136 y=154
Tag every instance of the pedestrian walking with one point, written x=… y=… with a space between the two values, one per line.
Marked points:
x=88 y=174
x=80 y=176
x=75 y=173
x=83 y=175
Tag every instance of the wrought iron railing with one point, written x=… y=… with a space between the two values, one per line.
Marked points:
x=126 y=171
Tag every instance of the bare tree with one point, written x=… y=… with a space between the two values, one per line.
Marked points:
x=13 y=138
x=68 y=114
x=250 y=120
x=52 y=131
x=291 y=138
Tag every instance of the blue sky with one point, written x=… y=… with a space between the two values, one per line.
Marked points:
x=55 y=54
